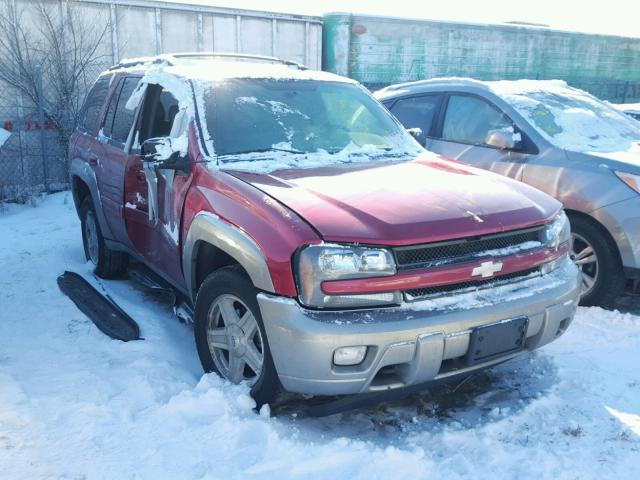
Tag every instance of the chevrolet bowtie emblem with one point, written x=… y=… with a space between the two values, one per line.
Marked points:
x=487 y=269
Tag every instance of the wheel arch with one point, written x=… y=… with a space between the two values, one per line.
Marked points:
x=83 y=181
x=600 y=226
x=213 y=243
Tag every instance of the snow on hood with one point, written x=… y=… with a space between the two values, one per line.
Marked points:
x=4 y=136
x=569 y=118
x=280 y=159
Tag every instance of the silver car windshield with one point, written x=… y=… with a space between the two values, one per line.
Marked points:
x=575 y=120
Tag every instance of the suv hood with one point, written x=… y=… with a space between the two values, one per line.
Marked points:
x=428 y=199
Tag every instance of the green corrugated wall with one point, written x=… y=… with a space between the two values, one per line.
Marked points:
x=378 y=51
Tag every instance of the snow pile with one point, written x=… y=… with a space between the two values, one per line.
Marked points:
x=4 y=136
x=627 y=107
x=75 y=404
x=569 y=118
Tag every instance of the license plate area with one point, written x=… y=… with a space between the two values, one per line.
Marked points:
x=497 y=340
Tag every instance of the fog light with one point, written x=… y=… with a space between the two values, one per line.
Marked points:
x=349 y=355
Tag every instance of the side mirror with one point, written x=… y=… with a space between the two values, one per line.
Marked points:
x=416 y=132
x=502 y=139
x=160 y=152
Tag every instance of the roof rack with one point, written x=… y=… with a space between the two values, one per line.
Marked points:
x=173 y=58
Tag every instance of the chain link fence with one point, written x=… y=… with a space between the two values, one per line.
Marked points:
x=33 y=156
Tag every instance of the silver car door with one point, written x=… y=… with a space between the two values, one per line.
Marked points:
x=475 y=131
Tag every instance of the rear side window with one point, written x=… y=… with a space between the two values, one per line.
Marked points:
x=417 y=112
x=93 y=104
x=119 y=118
x=471 y=120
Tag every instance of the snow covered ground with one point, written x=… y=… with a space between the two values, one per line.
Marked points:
x=75 y=404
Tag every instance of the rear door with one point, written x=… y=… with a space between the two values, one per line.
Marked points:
x=466 y=126
x=420 y=111
x=112 y=156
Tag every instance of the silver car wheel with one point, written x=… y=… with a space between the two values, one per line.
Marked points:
x=91 y=237
x=584 y=256
x=235 y=340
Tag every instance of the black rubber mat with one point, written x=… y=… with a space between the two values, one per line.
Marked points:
x=101 y=310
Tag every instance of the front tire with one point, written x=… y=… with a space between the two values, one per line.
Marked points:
x=596 y=256
x=230 y=335
x=108 y=263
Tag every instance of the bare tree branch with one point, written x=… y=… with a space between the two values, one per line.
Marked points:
x=49 y=36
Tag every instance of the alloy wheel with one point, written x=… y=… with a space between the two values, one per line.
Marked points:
x=235 y=340
x=91 y=237
x=584 y=256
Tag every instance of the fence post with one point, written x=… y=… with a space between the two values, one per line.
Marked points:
x=41 y=120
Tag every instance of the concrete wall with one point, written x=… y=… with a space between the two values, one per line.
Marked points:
x=382 y=50
x=141 y=27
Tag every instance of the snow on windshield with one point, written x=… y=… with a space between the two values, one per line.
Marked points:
x=265 y=124
x=569 y=118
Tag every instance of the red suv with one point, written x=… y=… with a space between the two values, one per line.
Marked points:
x=315 y=245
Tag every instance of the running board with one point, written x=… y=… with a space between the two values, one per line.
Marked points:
x=100 y=308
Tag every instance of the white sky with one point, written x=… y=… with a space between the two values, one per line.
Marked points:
x=615 y=17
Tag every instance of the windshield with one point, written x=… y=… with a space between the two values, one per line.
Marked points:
x=269 y=116
x=574 y=120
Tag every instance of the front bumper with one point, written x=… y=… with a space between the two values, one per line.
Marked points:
x=623 y=223
x=412 y=344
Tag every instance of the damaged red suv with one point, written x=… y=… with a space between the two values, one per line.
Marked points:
x=316 y=247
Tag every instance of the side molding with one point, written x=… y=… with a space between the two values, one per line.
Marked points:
x=209 y=228
x=82 y=170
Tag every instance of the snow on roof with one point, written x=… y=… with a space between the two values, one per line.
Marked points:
x=217 y=69
x=445 y=81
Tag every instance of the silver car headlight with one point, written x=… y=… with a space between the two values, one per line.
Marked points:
x=558 y=231
x=318 y=263
x=631 y=180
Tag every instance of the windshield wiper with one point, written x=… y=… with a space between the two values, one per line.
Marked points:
x=264 y=150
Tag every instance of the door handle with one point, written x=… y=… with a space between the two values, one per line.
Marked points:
x=93 y=160
x=141 y=178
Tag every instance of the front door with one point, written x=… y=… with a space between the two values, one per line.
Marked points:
x=468 y=124
x=155 y=196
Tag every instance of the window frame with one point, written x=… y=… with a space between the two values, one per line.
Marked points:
x=435 y=123
x=115 y=96
x=82 y=123
x=527 y=146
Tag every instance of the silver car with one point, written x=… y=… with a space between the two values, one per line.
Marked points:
x=558 y=139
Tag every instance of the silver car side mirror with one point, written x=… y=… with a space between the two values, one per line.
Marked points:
x=501 y=139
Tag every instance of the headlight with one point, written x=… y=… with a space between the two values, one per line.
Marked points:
x=317 y=263
x=631 y=180
x=557 y=231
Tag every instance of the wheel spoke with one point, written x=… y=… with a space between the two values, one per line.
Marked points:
x=586 y=260
x=248 y=324
x=229 y=314
x=217 y=338
x=236 y=368
x=588 y=281
x=584 y=253
x=253 y=358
